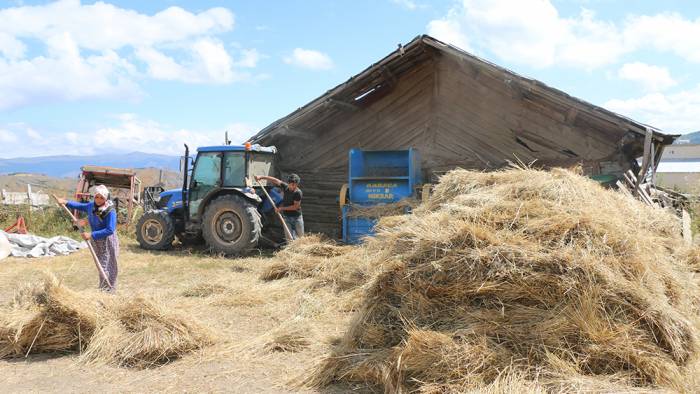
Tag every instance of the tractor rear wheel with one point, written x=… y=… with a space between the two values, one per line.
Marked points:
x=231 y=225
x=155 y=231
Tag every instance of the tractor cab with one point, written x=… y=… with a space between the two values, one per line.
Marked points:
x=226 y=167
x=218 y=201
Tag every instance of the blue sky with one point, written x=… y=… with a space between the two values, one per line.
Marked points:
x=90 y=77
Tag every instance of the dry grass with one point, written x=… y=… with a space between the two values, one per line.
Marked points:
x=340 y=267
x=143 y=334
x=541 y=273
x=204 y=290
x=509 y=282
x=134 y=332
x=243 y=319
x=377 y=211
x=293 y=341
x=48 y=318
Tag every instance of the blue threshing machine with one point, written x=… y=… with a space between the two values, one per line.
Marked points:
x=376 y=177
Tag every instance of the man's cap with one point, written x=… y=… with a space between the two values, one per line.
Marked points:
x=293 y=178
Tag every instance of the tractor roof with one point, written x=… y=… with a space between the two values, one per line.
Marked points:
x=237 y=148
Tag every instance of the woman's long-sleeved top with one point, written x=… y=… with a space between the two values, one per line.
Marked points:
x=100 y=228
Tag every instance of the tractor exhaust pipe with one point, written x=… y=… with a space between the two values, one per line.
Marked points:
x=185 y=203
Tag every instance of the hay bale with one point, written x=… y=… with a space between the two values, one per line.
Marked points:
x=143 y=333
x=541 y=273
x=48 y=318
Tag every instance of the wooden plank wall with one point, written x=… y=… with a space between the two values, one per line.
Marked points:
x=396 y=121
x=457 y=116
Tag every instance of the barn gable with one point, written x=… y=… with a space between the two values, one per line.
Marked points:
x=458 y=111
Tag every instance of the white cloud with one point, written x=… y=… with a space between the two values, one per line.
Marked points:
x=10 y=47
x=309 y=58
x=530 y=32
x=63 y=74
x=207 y=62
x=88 y=50
x=7 y=136
x=677 y=112
x=128 y=133
x=408 y=4
x=666 y=32
x=213 y=61
x=449 y=30
x=249 y=58
x=33 y=134
x=652 y=78
x=102 y=26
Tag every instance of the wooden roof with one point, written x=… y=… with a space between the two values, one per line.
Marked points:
x=357 y=92
x=109 y=176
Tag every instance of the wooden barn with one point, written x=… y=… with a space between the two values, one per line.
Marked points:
x=459 y=111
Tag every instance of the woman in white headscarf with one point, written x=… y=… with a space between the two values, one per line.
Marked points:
x=103 y=223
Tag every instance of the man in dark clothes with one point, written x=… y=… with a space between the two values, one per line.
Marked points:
x=290 y=207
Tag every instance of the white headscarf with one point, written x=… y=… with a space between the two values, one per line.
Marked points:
x=101 y=190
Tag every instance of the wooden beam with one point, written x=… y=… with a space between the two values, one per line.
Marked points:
x=388 y=76
x=646 y=158
x=343 y=104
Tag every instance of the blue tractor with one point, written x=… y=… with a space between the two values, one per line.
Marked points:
x=217 y=203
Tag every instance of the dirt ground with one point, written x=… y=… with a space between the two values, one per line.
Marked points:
x=244 y=313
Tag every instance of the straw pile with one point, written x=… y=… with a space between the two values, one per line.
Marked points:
x=293 y=341
x=143 y=334
x=47 y=319
x=541 y=275
x=377 y=211
x=51 y=318
x=315 y=257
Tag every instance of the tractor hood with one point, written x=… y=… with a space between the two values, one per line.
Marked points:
x=170 y=199
x=171 y=192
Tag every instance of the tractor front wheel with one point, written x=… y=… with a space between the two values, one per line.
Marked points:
x=231 y=225
x=155 y=231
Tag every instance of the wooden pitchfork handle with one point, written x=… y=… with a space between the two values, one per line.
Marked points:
x=92 y=250
x=279 y=215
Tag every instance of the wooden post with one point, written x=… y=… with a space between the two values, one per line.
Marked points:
x=29 y=195
x=130 y=205
x=646 y=158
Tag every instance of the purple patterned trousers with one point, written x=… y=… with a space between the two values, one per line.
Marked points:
x=107 y=251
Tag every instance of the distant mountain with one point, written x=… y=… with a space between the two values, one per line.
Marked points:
x=690 y=138
x=17 y=182
x=69 y=166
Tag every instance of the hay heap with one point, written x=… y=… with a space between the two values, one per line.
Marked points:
x=377 y=211
x=142 y=333
x=136 y=332
x=313 y=256
x=542 y=275
x=48 y=318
